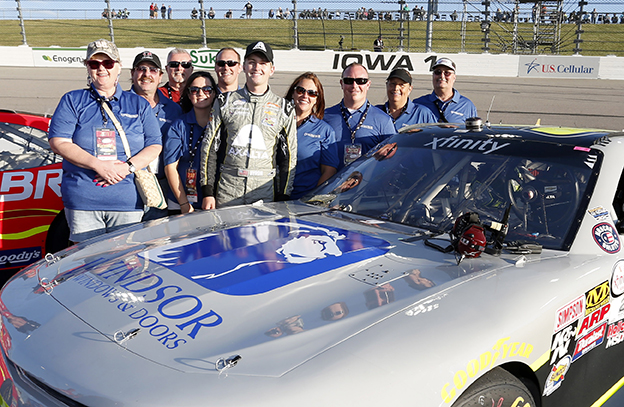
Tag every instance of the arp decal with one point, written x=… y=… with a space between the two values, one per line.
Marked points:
x=557 y=374
x=606 y=237
x=502 y=349
x=254 y=259
x=597 y=297
x=569 y=313
x=593 y=320
x=589 y=341
x=617 y=279
x=615 y=334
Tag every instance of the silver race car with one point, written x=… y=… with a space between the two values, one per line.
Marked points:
x=450 y=266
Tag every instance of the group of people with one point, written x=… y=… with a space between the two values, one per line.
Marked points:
x=214 y=143
x=124 y=14
x=165 y=12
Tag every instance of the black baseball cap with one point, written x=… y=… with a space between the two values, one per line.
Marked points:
x=402 y=74
x=260 y=47
x=147 y=56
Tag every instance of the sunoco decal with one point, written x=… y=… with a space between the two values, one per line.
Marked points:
x=606 y=237
x=557 y=374
x=254 y=259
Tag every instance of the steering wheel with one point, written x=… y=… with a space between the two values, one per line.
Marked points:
x=543 y=196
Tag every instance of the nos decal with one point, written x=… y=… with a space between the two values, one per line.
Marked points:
x=258 y=258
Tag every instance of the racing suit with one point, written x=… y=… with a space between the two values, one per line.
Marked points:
x=249 y=150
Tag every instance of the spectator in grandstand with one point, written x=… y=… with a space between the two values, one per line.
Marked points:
x=179 y=68
x=228 y=14
x=98 y=186
x=358 y=125
x=251 y=139
x=454 y=15
x=183 y=142
x=399 y=107
x=146 y=76
x=163 y=11
x=271 y=13
x=170 y=12
x=594 y=16
x=248 y=9
x=194 y=13
x=317 y=152
x=227 y=69
x=211 y=13
x=446 y=103
x=378 y=44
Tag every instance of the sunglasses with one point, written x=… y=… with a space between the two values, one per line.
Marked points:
x=301 y=91
x=440 y=72
x=95 y=64
x=145 y=69
x=359 y=81
x=195 y=89
x=175 y=64
x=221 y=63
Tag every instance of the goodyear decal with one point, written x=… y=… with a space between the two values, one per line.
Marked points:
x=258 y=258
x=606 y=237
x=597 y=297
x=501 y=350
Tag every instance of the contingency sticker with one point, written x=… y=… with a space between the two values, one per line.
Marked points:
x=599 y=213
x=254 y=259
x=606 y=237
x=557 y=374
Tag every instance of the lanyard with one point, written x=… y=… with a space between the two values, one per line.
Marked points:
x=101 y=99
x=193 y=149
x=441 y=110
x=343 y=109
x=403 y=109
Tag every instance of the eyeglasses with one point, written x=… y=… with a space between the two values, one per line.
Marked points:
x=95 y=64
x=145 y=69
x=300 y=91
x=175 y=64
x=195 y=89
x=440 y=72
x=221 y=63
x=359 y=81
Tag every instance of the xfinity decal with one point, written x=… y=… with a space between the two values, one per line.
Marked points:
x=484 y=146
x=255 y=259
x=606 y=237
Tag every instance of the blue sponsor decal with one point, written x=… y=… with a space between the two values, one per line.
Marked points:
x=607 y=237
x=19 y=257
x=258 y=258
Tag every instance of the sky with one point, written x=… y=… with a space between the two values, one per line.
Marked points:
x=61 y=9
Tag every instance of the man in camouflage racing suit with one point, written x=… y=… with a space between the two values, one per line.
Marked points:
x=249 y=151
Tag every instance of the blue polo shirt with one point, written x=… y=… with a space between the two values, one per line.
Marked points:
x=176 y=148
x=413 y=114
x=376 y=127
x=316 y=146
x=77 y=117
x=456 y=110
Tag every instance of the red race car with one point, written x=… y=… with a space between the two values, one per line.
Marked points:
x=32 y=220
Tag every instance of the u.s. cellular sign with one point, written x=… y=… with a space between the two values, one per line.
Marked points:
x=558 y=67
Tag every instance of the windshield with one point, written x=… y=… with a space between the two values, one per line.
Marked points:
x=410 y=180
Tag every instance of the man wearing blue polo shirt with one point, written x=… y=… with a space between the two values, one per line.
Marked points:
x=146 y=76
x=359 y=126
x=400 y=109
x=447 y=105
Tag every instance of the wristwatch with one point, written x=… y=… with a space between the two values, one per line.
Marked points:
x=131 y=167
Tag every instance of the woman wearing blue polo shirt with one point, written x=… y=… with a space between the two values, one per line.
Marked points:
x=317 y=152
x=183 y=142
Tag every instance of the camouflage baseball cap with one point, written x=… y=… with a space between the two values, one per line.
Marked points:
x=103 y=47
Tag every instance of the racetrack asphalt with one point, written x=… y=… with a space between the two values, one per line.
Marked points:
x=584 y=103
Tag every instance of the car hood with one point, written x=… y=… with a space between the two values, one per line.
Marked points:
x=193 y=292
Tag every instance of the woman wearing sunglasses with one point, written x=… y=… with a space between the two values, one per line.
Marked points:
x=98 y=187
x=317 y=152
x=183 y=141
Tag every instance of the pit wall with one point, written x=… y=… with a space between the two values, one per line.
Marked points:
x=502 y=65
